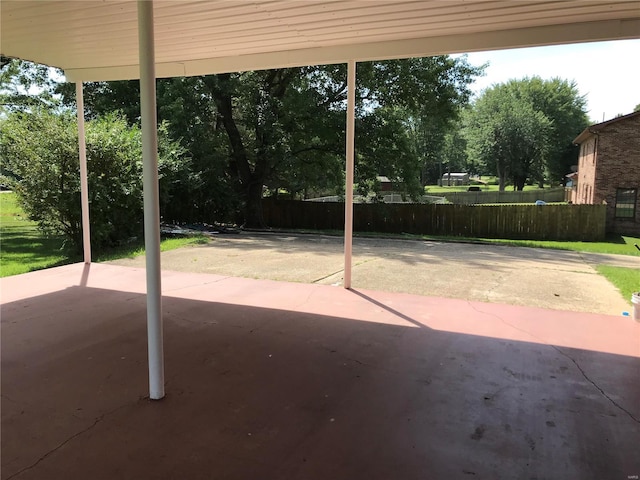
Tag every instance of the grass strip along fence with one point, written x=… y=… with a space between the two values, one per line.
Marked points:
x=524 y=222
x=530 y=196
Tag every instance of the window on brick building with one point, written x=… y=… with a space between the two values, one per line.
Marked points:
x=626 y=202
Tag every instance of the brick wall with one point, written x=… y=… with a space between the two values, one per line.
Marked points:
x=586 y=172
x=618 y=166
x=610 y=159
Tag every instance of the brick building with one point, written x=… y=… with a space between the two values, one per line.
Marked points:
x=609 y=171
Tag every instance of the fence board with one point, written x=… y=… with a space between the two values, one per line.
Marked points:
x=525 y=222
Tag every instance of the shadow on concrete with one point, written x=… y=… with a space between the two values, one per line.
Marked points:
x=278 y=394
x=411 y=252
x=393 y=311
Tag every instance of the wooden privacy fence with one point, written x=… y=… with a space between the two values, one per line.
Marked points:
x=527 y=222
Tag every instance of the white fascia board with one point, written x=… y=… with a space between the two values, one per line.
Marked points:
x=420 y=47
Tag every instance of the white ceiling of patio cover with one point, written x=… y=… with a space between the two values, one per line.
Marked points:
x=93 y=40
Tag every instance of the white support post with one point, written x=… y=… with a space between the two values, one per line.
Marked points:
x=151 y=197
x=348 y=191
x=84 y=186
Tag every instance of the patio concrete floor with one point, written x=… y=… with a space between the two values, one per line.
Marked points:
x=276 y=380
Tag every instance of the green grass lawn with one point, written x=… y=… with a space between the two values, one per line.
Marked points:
x=137 y=249
x=615 y=244
x=23 y=248
x=627 y=280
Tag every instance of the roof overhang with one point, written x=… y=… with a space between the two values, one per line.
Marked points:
x=97 y=40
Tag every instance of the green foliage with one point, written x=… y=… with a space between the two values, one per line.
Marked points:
x=105 y=97
x=523 y=130
x=432 y=92
x=283 y=129
x=560 y=101
x=311 y=127
x=384 y=148
x=203 y=191
x=453 y=154
x=436 y=189
x=269 y=118
x=438 y=86
x=40 y=151
x=25 y=85
x=506 y=135
x=24 y=248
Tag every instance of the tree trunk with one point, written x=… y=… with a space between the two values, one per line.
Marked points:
x=251 y=174
x=502 y=177
x=253 y=217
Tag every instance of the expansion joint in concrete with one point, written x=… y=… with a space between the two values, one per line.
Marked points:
x=327 y=276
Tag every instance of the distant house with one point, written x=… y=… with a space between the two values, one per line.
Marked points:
x=449 y=179
x=609 y=171
x=386 y=185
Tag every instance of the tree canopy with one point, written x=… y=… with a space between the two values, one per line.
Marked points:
x=523 y=129
x=25 y=85
x=269 y=131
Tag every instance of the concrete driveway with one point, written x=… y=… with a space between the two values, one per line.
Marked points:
x=554 y=279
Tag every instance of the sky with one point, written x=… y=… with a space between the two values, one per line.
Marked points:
x=607 y=73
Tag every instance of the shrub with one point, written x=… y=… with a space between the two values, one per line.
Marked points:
x=39 y=152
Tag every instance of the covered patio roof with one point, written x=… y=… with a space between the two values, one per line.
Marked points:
x=98 y=40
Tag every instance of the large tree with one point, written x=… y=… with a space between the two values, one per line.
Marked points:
x=260 y=131
x=245 y=132
x=272 y=118
x=290 y=116
x=556 y=100
x=432 y=91
x=508 y=137
x=560 y=101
